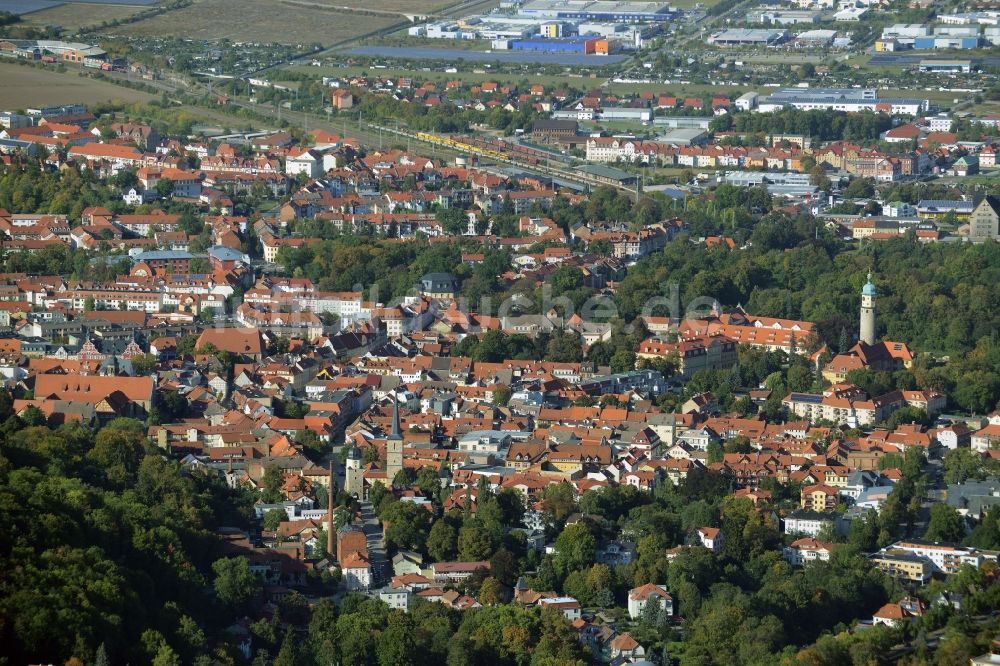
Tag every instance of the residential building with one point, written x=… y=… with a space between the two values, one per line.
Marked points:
x=710 y=537
x=397 y=598
x=807 y=523
x=568 y=606
x=819 y=497
x=356 y=571
x=807 y=549
x=986 y=438
x=944 y=557
x=984 y=222
x=903 y=565
x=639 y=597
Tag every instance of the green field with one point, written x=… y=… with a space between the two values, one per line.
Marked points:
x=32 y=86
x=935 y=96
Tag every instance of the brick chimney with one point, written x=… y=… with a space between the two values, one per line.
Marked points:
x=329 y=510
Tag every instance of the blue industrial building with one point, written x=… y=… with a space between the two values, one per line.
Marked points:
x=946 y=42
x=553 y=45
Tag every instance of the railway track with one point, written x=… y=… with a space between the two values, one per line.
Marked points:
x=498 y=155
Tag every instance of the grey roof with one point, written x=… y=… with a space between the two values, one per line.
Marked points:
x=605 y=172
x=554 y=124
x=946 y=204
x=224 y=253
x=438 y=277
x=974 y=495
x=684 y=134
x=163 y=255
x=863 y=477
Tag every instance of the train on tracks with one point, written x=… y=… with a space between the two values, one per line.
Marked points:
x=496 y=149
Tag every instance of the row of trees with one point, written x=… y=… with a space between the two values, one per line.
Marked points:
x=825 y=125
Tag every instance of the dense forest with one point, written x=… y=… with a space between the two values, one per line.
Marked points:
x=104 y=543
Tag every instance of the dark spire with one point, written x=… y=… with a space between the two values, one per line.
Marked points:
x=396 y=432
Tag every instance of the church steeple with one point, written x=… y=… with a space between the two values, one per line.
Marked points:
x=396 y=432
x=394 y=444
x=868 y=293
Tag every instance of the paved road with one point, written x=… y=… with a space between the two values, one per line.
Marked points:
x=381 y=571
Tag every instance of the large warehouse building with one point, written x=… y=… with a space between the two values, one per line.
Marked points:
x=841 y=99
x=597 y=10
x=748 y=37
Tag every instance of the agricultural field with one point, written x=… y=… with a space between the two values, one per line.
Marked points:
x=693 y=4
x=403 y=6
x=75 y=15
x=31 y=86
x=281 y=21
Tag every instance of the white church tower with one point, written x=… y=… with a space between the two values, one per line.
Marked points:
x=868 y=312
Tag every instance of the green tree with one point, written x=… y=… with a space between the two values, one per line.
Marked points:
x=271 y=484
x=118 y=451
x=377 y=493
x=406 y=525
x=491 y=592
x=442 y=541
x=396 y=645
x=166 y=657
x=474 y=543
x=575 y=548
x=963 y=463
x=291 y=653
x=165 y=188
x=623 y=360
x=564 y=347
x=559 y=501
x=273 y=519
x=235 y=585
x=32 y=416
x=944 y=524
x=501 y=396
x=142 y=364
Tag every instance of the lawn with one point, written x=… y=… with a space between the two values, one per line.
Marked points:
x=282 y=22
x=73 y=15
x=934 y=95
x=31 y=86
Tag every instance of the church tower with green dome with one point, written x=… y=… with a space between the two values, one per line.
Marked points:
x=868 y=312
